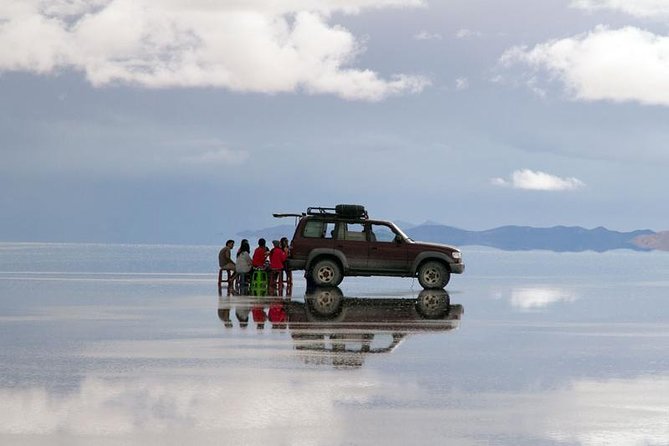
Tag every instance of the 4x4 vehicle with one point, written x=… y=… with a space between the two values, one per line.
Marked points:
x=330 y=243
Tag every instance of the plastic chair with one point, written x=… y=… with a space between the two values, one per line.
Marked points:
x=259 y=281
x=230 y=278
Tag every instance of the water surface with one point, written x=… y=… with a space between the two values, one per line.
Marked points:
x=129 y=344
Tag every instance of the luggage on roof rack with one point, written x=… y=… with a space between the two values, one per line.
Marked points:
x=341 y=210
x=351 y=210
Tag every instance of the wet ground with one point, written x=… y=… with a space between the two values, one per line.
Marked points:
x=530 y=348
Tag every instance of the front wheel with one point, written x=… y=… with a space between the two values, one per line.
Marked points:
x=326 y=273
x=433 y=274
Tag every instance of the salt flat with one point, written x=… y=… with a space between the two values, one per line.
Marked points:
x=136 y=346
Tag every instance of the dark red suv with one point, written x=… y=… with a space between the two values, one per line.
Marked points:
x=330 y=243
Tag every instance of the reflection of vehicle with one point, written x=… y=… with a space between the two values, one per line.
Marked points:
x=330 y=243
x=328 y=307
x=329 y=328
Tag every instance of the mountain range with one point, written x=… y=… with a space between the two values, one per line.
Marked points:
x=515 y=238
x=519 y=238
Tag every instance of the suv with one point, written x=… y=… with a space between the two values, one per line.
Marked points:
x=330 y=243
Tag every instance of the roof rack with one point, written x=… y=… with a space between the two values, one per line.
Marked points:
x=317 y=210
x=289 y=215
x=341 y=210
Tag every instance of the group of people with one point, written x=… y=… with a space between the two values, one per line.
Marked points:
x=276 y=314
x=273 y=261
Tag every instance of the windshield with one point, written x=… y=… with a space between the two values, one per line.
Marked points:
x=399 y=231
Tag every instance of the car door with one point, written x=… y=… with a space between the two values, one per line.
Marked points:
x=316 y=234
x=351 y=240
x=387 y=250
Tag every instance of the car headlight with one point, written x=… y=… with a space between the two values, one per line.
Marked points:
x=456 y=255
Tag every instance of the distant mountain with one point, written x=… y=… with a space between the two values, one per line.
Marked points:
x=269 y=234
x=519 y=238
x=514 y=238
x=659 y=241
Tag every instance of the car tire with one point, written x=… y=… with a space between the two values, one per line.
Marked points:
x=326 y=273
x=324 y=303
x=433 y=304
x=433 y=275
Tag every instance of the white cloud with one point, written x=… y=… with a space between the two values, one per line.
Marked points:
x=461 y=83
x=254 y=45
x=615 y=412
x=467 y=33
x=257 y=406
x=535 y=180
x=105 y=407
x=529 y=298
x=627 y=64
x=425 y=35
x=638 y=8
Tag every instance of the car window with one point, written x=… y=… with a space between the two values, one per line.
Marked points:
x=381 y=233
x=319 y=229
x=352 y=231
x=329 y=230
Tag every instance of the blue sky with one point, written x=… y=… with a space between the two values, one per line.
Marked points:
x=188 y=121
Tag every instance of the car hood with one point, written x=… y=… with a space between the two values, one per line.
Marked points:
x=436 y=246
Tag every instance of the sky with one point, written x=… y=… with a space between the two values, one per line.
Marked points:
x=187 y=121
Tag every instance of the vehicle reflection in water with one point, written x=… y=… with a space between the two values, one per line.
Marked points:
x=329 y=328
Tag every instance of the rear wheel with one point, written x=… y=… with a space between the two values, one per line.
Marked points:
x=326 y=272
x=433 y=274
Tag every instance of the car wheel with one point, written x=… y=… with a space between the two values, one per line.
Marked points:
x=326 y=273
x=325 y=303
x=433 y=304
x=433 y=275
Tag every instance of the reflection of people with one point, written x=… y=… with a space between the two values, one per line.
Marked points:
x=242 y=313
x=259 y=316
x=225 y=261
x=277 y=315
x=224 y=316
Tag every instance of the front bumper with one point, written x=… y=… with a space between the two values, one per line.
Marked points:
x=457 y=268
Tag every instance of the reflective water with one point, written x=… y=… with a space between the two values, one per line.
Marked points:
x=132 y=344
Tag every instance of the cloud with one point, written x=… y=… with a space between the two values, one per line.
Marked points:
x=637 y=8
x=627 y=64
x=255 y=406
x=103 y=407
x=425 y=35
x=535 y=180
x=529 y=298
x=467 y=34
x=461 y=83
x=258 y=45
x=608 y=412
x=210 y=153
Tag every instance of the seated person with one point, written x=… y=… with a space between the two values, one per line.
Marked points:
x=225 y=261
x=277 y=257
x=244 y=265
x=260 y=255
